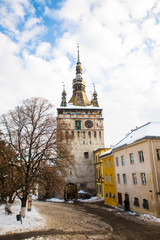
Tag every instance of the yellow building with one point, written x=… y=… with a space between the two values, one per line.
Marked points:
x=109 y=185
x=99 y=171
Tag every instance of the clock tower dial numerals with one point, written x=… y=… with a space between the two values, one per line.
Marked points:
x=88 y=124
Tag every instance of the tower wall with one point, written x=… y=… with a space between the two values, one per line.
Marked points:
x=85 y=139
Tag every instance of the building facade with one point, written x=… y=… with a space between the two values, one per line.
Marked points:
x=82 y=119
x=137 y=169
x=109 y=185
x=99 y=172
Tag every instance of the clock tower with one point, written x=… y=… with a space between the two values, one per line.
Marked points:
x=83 y=121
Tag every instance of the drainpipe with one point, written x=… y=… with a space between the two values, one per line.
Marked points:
x=155 y=171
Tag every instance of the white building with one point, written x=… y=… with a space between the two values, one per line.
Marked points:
x=137 y=169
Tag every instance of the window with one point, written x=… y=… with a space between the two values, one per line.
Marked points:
x=72 y=133
x=158 y=154
x=118 y=178
x=117 y=162
x=145 y=204
x=110 y=194
x=95 y=135
x=124 y=179
x=131 y=158
x=136 y=202
x=78 y=125
x=114 y=196
x=89 y=134
x=83 y=141
x=122 y=160
x=109 y=163
x=134 y=178
x=86 y=154
x=111 y=178
x=120 y=198
x=100 y=135
x=104 y=164
x=83 y=134
x=143 y=178
x=78 y=134
x=106 y=179
x=141 y=158
x=106 y=194
x=66 y=137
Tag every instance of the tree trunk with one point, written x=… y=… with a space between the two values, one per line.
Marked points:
x=23 y=206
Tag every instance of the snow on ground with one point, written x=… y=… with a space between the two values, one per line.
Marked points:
x=92 y=199
x=9 y=223
x=55 y=200
x=145 y=217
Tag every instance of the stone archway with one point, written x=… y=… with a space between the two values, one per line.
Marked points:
x=70 y=192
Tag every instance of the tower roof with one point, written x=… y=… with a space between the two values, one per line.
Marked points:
x=79 y=97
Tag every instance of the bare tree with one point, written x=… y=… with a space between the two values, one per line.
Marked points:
x=8 y=175
x=30 y=130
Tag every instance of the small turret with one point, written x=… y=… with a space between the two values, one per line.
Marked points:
x=94 y=100
x=64 y=94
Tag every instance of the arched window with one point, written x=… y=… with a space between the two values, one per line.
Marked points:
x=66 y=136
x=89 y=134
x=78 y=134
x=145 y=204
x=136 y=202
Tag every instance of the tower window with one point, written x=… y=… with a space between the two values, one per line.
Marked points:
x=89 y=134
x=78 y=125
x=78 y=134
x=66 y=136
x=86 y=154
x=95 y=135
x=100 y=135
x=83 y=134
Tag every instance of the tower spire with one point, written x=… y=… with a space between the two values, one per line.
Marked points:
x=78 y=66
x=78 y=57
x=79 y=97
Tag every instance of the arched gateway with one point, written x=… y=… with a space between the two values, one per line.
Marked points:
x=70 y=192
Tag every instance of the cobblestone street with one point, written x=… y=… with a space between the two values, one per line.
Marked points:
x=80 y=221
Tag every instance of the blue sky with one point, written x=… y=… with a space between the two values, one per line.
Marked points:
x=119 y=51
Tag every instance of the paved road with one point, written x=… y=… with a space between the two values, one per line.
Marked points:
x=83 y=221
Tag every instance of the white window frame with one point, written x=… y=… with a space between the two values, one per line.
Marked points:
x=143 y=178
x=131 y=158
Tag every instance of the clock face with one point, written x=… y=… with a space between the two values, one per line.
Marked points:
x=89 y=124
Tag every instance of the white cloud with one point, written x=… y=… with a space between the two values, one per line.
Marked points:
x=119 y=51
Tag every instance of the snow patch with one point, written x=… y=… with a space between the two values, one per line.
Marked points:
x=9 y=223
x=55 y=200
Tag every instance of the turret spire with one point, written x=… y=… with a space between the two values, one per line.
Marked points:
x=94 y=100
x=64 y=102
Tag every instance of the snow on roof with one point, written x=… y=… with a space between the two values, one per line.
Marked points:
x=150 y=129
x=106 y=153
x=71 y=106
